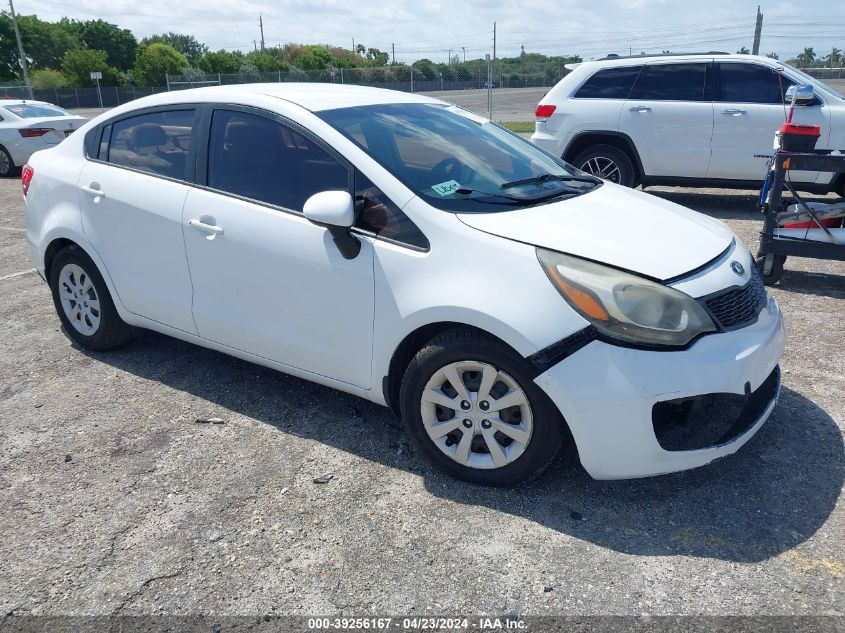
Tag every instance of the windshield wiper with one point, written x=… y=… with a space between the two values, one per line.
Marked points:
x=536 y=180
x=512 y=201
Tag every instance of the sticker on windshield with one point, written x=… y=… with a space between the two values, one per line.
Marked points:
x=445 y=188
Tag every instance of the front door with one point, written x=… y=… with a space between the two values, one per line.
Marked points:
x=749 y=109
x=268 y=281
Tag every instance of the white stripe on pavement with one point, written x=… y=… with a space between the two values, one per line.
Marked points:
x=12 y=228
x=21 y=273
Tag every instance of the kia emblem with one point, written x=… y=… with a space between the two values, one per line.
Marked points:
x=737 y=268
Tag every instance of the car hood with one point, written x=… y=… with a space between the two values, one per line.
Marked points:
x=618 y=226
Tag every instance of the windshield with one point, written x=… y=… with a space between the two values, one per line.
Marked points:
x=36 y=110
x=456 y=160
x=815 y=82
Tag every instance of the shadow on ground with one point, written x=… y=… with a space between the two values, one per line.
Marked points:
x=774 y=494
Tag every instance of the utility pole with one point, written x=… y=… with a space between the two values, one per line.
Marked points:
x=758 y=29
x=393 y=48
x=255 y=45
x=493 y=68
x=449 y=59
x=24 y=65
x=353 y=44
x=464 y=49
x=261 y=26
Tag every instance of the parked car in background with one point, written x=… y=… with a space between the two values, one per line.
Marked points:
x=409 y=252
x=704 y=119
x=27 y=126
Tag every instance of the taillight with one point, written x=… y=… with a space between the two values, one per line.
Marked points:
x=26 y=177
x=29 y=132
x=544 y=111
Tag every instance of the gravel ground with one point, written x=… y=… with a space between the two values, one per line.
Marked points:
x=116 y=502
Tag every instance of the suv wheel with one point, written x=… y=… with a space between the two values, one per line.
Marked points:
x=83 y=302
x=608 y=163
x=472 y=408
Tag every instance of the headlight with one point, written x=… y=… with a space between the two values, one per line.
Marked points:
x=625 y=306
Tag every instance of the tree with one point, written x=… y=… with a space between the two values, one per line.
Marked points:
x=185 y=44
x=743 y=51
x=222 y=62
x=265 y=61
x=806 y=58
x=834 y=59
x=155 y=62
x=773 y=56
x=45 y=44
x=425 y=68
x=377 y=57
x=45 y=78
x=119 y=44
x=314 y=58
x=79 y=63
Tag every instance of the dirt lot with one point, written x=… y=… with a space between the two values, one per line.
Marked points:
x=115 y=501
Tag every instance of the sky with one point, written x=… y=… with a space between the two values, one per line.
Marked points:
x=430 y=29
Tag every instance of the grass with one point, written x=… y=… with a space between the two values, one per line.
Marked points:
x=518 y=126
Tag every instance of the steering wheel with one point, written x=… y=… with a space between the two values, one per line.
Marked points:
x=447 y=169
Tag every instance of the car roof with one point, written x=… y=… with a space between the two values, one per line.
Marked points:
x=6 y=102
x=315 y=97
x=634 y=60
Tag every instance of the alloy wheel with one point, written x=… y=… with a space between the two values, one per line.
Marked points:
x=603 y=168
x=5 y=163
x=476 y=414
x=79 y=299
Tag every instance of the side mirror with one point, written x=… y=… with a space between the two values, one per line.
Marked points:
x=336 y=211
x=331 y=208
x=800 y=95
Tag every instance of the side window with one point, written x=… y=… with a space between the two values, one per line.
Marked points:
x=610 y=83
x=671 y=82
x=264 y=160
x=751 y=83
x=103 y=150
x=157 y=142
x=377 y=213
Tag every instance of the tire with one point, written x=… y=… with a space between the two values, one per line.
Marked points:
x=7 y=165
x=465 y=452
x=777 y=269
x=608 y=163
x=83 y=302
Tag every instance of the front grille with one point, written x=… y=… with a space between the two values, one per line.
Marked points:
x=739 y=307
x=711 y=419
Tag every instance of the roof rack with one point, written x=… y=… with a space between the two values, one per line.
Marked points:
x=615 y=56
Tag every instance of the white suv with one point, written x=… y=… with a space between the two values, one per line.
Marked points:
x=702 y=119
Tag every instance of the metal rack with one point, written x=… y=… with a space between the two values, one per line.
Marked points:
x=775 y=246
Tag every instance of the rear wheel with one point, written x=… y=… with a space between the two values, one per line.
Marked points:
x=7 y=165
x=472 y=408
x=775 y=265
x=83 y=302
x=608 y=163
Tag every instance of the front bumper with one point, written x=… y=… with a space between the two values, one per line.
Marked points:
x=607 y=395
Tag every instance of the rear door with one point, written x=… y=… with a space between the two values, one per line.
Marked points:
x=131 y=195
x=669 y=116
x=749 y=108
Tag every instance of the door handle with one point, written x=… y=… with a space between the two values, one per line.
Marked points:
x=200 y=225
x=93 y=191
x=639 y=109
x=734 y=112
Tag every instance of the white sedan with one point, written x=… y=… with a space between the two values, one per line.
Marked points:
x=404 y=250
x=27 y=126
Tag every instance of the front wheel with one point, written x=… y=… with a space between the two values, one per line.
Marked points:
x=472 y=408
x=83 y=302
x=608 y=163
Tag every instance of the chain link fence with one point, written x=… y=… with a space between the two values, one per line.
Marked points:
x=515 y=94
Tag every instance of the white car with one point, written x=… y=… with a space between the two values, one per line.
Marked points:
x=27 y=126
x=706 y=119
x=406 y=251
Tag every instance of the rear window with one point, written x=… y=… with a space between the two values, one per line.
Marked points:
x=610 y=83
x=36 y=110
x=671 y=82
